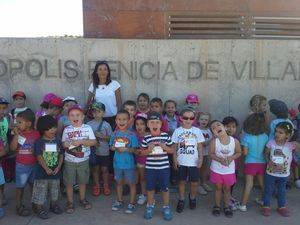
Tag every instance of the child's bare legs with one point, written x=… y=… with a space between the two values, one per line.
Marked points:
x=203 y=172
x=19 y=197
x=193 y=191
x=166 y=198
x=181 y=189
x=132 y=187
x=150 y=197
x=96 y=175
x=69 y=190
x=260 y=179
x=227 y=195
x=141 y=179
x=119 y=190
x=218 y=194
x=82 y=190
x=105 y=174
x=247 y=189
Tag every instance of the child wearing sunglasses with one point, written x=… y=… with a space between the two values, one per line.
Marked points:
x=187 y=157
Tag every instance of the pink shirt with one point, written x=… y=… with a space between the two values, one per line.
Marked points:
x=141 y=159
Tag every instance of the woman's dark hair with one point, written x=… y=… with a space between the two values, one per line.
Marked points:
x=230 y=119
x=286 y=126
x=144 y=95
x=255 y=124
x=45 y=123
x=143 y=119
x=95 y=74
x=27 y=115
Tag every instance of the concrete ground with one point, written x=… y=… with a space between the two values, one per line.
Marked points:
x=101 y=213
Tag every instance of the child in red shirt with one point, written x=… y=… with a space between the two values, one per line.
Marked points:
x=23 y=141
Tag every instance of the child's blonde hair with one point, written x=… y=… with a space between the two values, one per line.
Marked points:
x=256 y=102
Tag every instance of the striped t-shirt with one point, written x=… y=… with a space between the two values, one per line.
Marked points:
x=158 y=159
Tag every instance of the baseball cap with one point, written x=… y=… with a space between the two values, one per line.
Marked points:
x=56 y=101
x=98 y=105
x=192 y=98
x=69 y=98
x=154 y=116
x=48 y=97
x=75 y=107
x=3 y=101
x=19 y=94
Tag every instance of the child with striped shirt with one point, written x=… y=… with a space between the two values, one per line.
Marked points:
x=156 y=146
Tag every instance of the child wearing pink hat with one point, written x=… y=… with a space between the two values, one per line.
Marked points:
x=193 y=102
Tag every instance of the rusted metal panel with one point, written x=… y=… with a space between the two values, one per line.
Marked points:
x=149 y=18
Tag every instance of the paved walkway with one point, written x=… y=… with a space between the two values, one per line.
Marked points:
x=102 y=214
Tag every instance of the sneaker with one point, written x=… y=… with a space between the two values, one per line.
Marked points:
x=202 y=191
x=130 y=208
x=228 y=212
x=265 y=211
x=207 y=187
x=180 y=206
x=192 y=203
x=259 y=201
x=117 y=206
x=233 y=204
x=243 y=208
x=149 y=212
x=141 y=199
x=167 y=213
x=283 y=211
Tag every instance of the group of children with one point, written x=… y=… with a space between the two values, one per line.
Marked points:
x=150 y=144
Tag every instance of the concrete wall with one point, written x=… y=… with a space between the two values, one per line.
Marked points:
x=224 y=73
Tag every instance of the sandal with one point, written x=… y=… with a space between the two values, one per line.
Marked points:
x=22 y=211
x=228 y=212
x=216 y=211
x=106 y=190
x=42 y=214
x=56 y=209
x=96 y=190
x=85 y=204
x=70 y=208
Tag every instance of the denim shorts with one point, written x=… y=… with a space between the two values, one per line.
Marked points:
x=157 y=179
x=2 y=179
x=127 y=174
x=24 y=174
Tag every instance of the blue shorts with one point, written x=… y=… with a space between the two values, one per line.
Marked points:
x=127 y=174
x=2 y=179
x=157 y=178
x=24 y=174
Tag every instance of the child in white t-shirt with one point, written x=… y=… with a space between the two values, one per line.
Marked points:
x=77 y=139
x=279 y=155
x=224 y=149
x=188 y=157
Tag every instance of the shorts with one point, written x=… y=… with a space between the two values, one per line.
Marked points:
x=40 y=190
x=188 y=173
x=2 y=179
x=226 y=179
x=254 y=169
x=127 y=174
x=24 y=174
x=76 y=172
x=157 y=178
x=99 y=160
